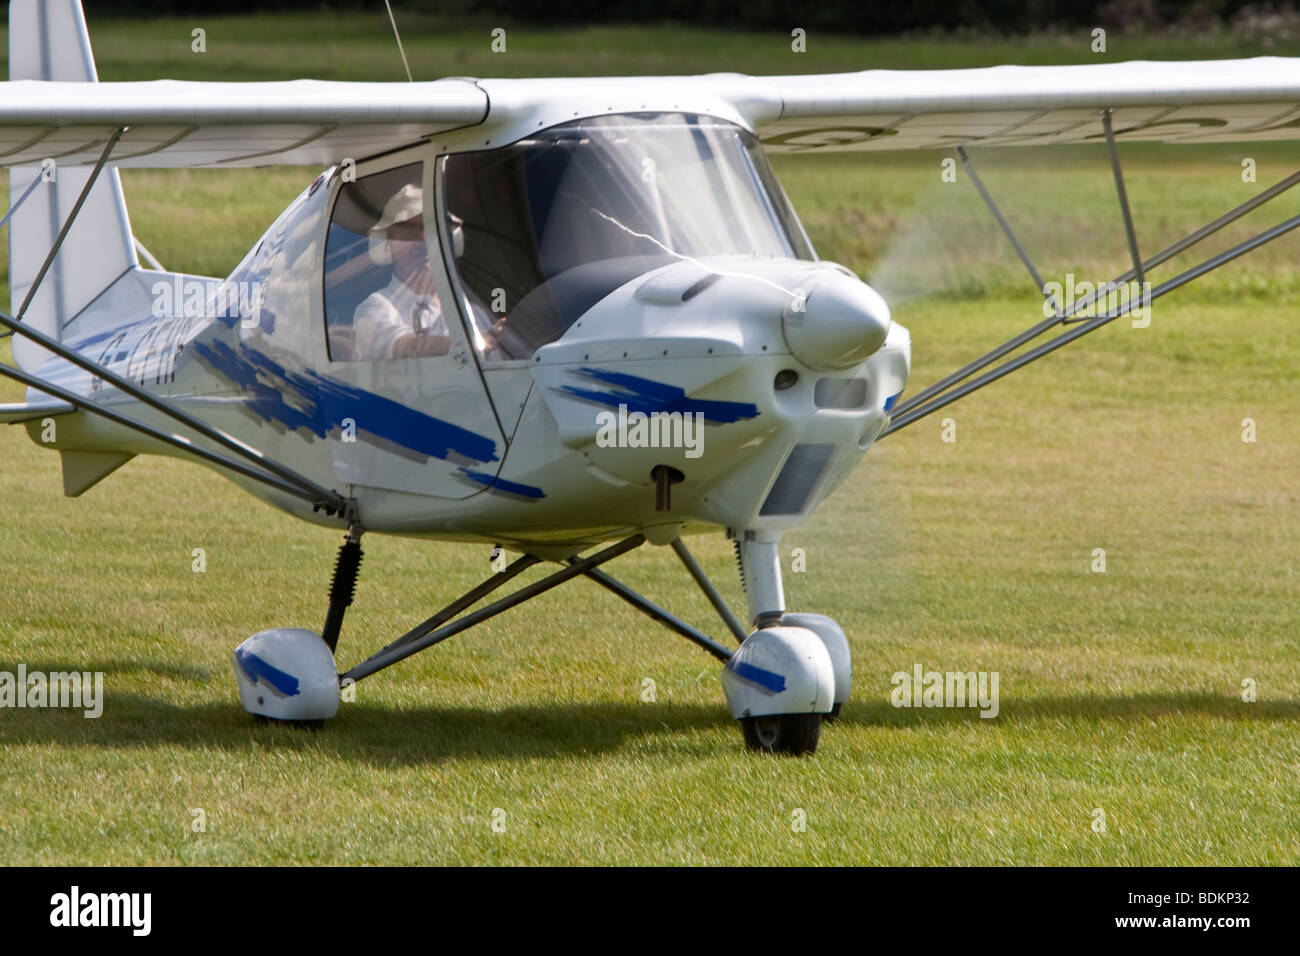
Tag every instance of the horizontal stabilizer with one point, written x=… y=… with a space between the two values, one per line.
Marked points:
x=26 y=411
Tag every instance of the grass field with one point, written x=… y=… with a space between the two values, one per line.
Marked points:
x=1120 y=691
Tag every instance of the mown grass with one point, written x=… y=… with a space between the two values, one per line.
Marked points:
x=1119 y=691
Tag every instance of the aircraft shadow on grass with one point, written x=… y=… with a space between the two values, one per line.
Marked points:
x=1117 y=707
x=381 y=735
x=388 y=735
x=119 y=665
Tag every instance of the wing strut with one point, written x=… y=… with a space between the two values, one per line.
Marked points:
x=15 y=207
x=950 y=388
x=1120 y=191
x=1001 y=220
x=67 y=223
x=918 y=411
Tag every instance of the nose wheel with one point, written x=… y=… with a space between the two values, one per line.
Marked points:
x=782 y=733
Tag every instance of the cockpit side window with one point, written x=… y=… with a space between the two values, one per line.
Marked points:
x=488 y=201
x=380 y=298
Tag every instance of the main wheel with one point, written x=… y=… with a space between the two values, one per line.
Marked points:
x=262 y=721
x=782 y=733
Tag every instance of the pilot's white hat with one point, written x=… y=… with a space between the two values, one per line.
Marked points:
x=406 y=204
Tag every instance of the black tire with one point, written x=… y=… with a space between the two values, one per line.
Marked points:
x=834 y=715
x=261 y=720
x=782 y=733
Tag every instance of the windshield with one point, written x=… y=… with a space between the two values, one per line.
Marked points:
x=545 y=228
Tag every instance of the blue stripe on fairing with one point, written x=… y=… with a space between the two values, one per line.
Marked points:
x=648 y=396
x=494 y=483
x=255 y=669
x=312 y=401
x=892 y=400
x=768 y=680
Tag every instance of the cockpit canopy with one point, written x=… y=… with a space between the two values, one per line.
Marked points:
x=550 y=225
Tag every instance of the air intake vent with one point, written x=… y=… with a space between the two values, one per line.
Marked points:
x=799 y=476
x=840 y=393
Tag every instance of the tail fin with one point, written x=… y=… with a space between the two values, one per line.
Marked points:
x=48 y=40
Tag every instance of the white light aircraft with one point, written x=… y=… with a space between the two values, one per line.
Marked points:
x=565 y=317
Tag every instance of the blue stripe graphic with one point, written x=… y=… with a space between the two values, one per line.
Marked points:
x=286 y=685
x=768 y=680
x=648 y=396
x=501 y=484
x=310 y=400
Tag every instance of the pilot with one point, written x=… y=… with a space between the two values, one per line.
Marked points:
x=404 y=319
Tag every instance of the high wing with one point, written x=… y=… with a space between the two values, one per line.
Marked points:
x=1172 y=102
x=175 y=123
x=53 y=107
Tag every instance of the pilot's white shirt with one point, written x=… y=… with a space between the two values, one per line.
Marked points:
x=384 y=316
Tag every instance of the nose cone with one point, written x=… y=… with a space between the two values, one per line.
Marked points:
x=837 y=323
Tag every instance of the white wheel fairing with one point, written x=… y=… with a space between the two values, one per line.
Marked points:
x=287 y=673
x=837 y=645
x=779 y=670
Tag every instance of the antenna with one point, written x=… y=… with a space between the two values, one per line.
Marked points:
x=393 y=21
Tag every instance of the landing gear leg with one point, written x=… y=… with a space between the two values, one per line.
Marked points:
x=287 y=675
x=781 y=680
x=343 y=588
